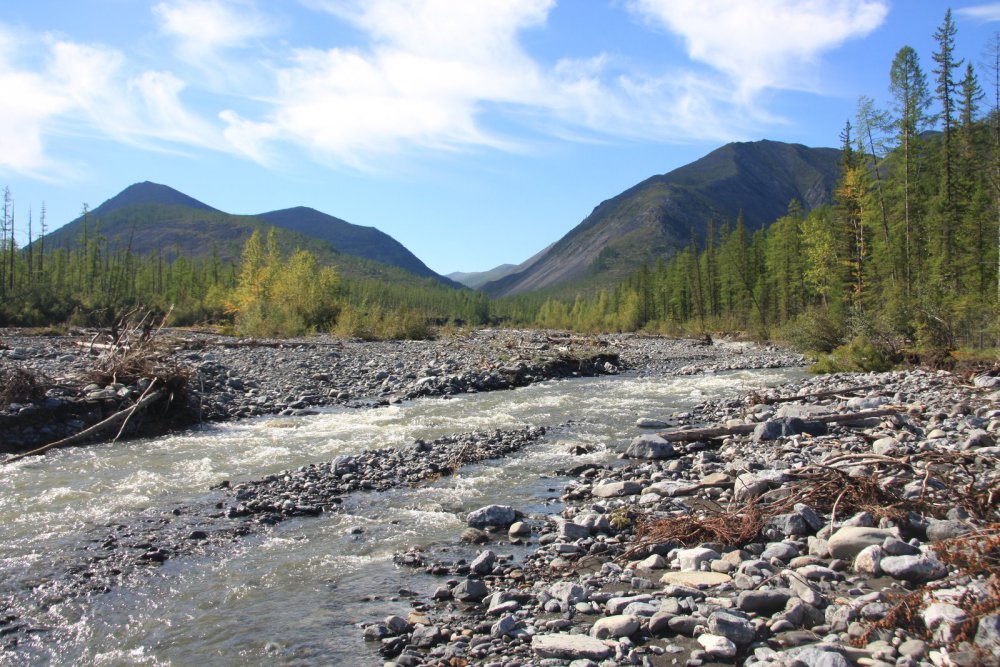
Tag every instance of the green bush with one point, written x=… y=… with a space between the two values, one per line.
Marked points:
x=860 y=355
x=818 y=330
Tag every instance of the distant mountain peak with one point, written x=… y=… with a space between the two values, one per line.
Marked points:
x=148 y=192
x=654 y=219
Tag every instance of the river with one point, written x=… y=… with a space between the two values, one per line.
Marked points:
x=295 y=594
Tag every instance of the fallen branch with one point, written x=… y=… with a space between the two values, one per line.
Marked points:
x=712 y=432
x=96 y=428
x=821 y=394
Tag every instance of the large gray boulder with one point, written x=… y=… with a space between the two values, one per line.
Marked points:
x=650 y=446
x=501 y=516
x=848 y=542
x=569 y=647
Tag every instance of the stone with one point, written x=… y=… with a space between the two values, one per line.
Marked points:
x=918 y=569
x=773 y=429
x=944 y=620
x=691 y=559
x=896 y=547
x=868 y=561
x=913 y=648
x=475 y=536
x=425 y=636
x=397 y=624
x=483 y=563
x=809 y=515
x=781 y=550
x=684 y=625
x=788 y=524
x=670 y=489
x=613 y=627
x=570 y=531
x=569 y=647
x=764 y=602
x=469 y=590
x=593 y=521
x=491 y=515
x=567 y=593
x=848 y=542
x=717 y=646
x=616 y=489
x=614 y=606
x=649 y=422
x=505 y=626
x=754 y=484
x=659 y=624
x=696 y=579
x=986 y=382
x=886 y=446
x=946 y=530
x=650 y=447
x=977 y=438
x=988 y=635
x=735 y=627
x=654 y=562
x=519 y=529
x=817 y=657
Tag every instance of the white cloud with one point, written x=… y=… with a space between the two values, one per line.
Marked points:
x=763 y=43
x=206 y=26
x=436 y=74
x=28 y=105
x=985 y=13
x=205 y=33
x=431 y=67
x=55 y=86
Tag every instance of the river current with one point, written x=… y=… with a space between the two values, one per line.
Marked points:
x=296 y=594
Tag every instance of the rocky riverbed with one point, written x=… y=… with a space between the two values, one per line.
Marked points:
x=791 y=534
x=227 y=378
x=871 y=542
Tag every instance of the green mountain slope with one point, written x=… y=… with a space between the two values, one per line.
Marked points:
x=655 y=218
x=366 y=242
x=147 y=217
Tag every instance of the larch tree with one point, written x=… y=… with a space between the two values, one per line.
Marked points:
x=945 y=89
x=908 y=86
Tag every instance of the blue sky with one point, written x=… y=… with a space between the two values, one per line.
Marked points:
x=475 y=132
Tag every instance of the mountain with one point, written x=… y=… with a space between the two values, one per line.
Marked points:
x=656 y=217
x=476 y=279
x=149 y=217
x=366 y=242
x=149 y=193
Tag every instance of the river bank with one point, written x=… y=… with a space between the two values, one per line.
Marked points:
x=789 y=541
x=872 y=542
x=227 y=378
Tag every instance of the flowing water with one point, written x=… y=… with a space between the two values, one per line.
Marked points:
x=295 y=594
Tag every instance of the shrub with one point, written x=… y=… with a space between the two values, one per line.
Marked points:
x=860 y=355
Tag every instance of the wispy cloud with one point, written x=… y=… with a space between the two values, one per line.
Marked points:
x=434 y=73
x=988 y=13
x=763 y=44
x=205 y=33
x=419 y=76
x=55 y=86
x=429 y=69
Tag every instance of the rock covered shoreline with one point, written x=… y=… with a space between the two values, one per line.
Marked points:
x=876 y=544
x=788 y=542
x=232 y=379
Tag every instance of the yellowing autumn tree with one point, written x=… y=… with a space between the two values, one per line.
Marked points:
x=279 y=296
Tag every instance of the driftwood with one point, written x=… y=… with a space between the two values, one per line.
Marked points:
x=821 y=394
x=711 y=432
x=122 y=416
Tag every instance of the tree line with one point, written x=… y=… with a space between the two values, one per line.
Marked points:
x=904 y=259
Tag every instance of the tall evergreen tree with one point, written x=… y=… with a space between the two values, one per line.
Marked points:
x=908 y=86
x=948 y=206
